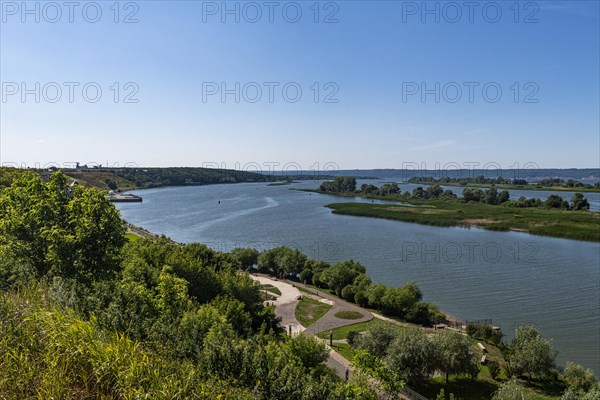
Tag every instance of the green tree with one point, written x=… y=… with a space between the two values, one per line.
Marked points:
x=390 y=188
x=511 y=390
x=235 y=313
x=309 y=350
x=593 y=393
x=371 y=365
x=172 y=297
x=578 y=202
x=530 y=354
x=578 y=377
x=267 y=261
x=282 y=260
x=375 y=295
x=245 y=257
x=368 y=189
x=60 y=230
x=411 y=355
x=503 y=197
x=555 y=201
x=401 y=300
x=454 y=354
x=472 y=195
x=377 y=340
x=434 y=191
x=342 y=274
x=418 y=193
x=289 y=260
x=491 y=196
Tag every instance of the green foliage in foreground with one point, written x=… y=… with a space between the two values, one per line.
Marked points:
x=582 y=225
x=52 y=353
x=56 y=230
x=86 y=314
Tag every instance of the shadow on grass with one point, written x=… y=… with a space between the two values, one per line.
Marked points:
x=463 y=388
x=552 y=387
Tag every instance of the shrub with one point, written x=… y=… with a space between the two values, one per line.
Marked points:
x=351 y=338
x=494 y=368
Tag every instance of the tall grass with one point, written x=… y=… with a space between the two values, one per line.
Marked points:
x=48 y=352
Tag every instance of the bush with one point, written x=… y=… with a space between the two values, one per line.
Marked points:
x=494 y=368
x=578 y=378
x=351 y=338
x=484 y=332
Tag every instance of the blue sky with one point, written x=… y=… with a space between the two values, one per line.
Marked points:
x=375 y=61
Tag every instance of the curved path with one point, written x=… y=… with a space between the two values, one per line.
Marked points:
x=285 y=307
x=329 y=321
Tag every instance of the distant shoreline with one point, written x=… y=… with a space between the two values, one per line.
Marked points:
x=531 y=187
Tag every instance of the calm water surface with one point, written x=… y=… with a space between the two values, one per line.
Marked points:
x=513 y=278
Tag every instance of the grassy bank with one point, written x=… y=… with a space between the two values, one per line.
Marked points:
x=578 y=225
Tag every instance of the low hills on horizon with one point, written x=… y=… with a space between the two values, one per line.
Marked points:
x=129 y=178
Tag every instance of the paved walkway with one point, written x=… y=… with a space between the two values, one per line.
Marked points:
x=285 y=305
x=329 y=321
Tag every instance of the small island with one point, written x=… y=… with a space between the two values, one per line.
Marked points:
x=487 y=209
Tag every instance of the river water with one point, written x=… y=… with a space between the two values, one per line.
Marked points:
x=513 y=278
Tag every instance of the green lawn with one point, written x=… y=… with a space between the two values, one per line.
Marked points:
x=267 y=296
x=342 y=332
x=271 y=288
x=579 y=225
x=300 y=288
x=132 y=237
x=480 y=389
x=308 y=311
x=348 y=315
x=344 y=349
